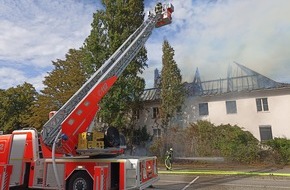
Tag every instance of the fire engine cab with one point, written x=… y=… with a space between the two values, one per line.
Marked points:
x=65 y=154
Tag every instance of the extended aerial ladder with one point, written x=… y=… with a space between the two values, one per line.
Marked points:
x=76 y=115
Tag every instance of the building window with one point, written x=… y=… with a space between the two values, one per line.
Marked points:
x=157 y=132
x=231 y=107
x=137 y=114
x=155 y=112
x=203 y=108
x=262 y=104
x=265 y=132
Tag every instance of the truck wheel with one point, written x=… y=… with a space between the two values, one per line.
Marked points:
x=80 y=180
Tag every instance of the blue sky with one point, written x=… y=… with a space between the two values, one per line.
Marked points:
x=205 y=34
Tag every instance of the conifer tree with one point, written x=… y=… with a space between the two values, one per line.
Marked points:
x=110 y=28
x=172 y=92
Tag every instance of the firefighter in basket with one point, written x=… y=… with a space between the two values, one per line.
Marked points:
x=168 y=159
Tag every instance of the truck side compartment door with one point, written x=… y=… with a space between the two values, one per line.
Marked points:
x=16 y=159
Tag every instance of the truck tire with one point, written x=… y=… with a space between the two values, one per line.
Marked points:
x=80 y=180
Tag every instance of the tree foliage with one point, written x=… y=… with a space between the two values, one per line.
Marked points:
x=15 y=107
x=206 y=139
x=61 y=83
x=140 y=135
x=228 y=141
x=172 y=92
x=110 y=28
x=280 y=149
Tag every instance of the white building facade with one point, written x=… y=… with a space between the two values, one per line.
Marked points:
x=251 y=101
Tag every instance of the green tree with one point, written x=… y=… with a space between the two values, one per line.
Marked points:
x=229 y=141
x=280 y=149
x=96 y=45
x=15 y=107
x=172 y=91
x=110 y=28
x=61 y=83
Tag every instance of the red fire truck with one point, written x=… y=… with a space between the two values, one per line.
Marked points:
x=64 y=155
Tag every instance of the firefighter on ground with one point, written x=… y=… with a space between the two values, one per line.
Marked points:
x=168 y=159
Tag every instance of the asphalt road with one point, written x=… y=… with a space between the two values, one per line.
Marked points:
x=220 y=182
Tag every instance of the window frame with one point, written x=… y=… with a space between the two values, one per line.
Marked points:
x=229 y=108
x=155 y=112
x=137 y=114
x=157 y=132
x=267 y=129
x=262 y=104
x=202 y=106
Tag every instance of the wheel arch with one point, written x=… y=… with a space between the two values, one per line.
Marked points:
x=75 y=172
